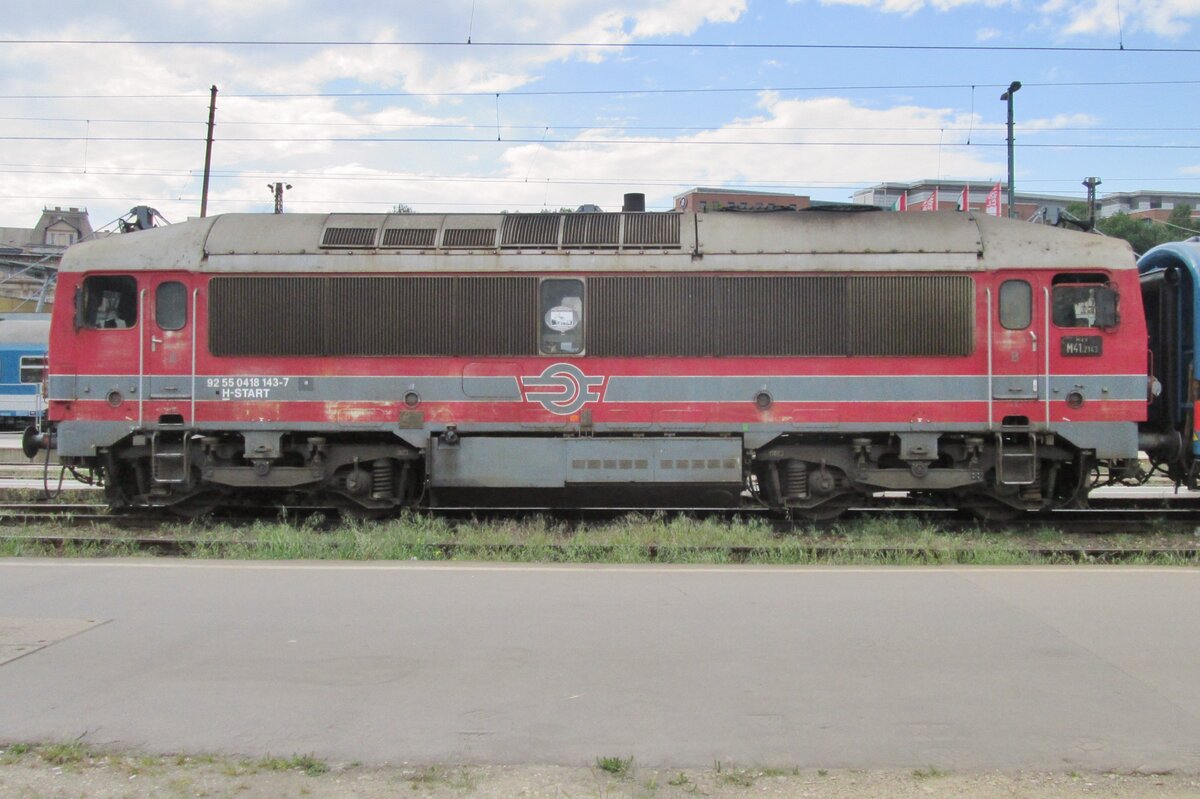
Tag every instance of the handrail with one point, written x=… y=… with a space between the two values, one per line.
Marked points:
x=192 y=415
x=142 y=333
x=1046 y=346
x=987 y=294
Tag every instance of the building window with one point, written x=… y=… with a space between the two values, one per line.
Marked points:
x=60 y=238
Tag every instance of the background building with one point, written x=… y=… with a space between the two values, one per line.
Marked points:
x=1029 y=205
x=29 y=257
x=702 y=200
x=1150 y=204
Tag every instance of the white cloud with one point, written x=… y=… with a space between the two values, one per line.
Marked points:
x=1168 y=18
x=986 y=34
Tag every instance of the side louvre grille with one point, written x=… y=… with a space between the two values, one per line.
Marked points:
x=591 y=230
x=413 y=237
x=348 y=237
x=469 y=237
x=530 y=230
x=651 y=230
x=670 y=315
x=347 y=316
x=796 y=315
x=908 y=315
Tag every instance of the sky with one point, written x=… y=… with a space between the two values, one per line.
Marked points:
x=521 y=105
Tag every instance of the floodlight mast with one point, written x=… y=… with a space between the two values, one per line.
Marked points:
x=1008 y=95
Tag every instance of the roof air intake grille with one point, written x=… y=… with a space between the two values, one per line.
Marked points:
x=591 y=230
x=651 y=230
x=348 y=237
x=417 y=237
x=469 y=237
x=530 y=230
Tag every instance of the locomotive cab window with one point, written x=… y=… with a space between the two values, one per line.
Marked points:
x=561 y=317
x=170 y=305
x=1084 y=301
x=1016 y=304
x=106 y=302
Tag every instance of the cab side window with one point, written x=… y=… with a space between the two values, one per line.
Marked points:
x=1083 y=301
x=561 y=311
x=106 y=302
x=170 y=305
x=1016 y=304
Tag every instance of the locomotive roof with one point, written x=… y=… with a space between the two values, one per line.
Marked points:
x=599 y=242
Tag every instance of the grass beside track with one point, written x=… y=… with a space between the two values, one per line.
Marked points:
x=631 y=539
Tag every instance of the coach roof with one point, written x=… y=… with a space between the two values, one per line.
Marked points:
x=717 y=241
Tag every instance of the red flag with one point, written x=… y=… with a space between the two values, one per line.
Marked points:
x=931 y=202
x=964 y=204
x=992 y=205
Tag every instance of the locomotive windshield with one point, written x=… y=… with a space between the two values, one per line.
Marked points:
x=106 y=302
x=1084 y=301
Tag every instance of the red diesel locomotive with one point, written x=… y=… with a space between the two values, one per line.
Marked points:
x=797 y=359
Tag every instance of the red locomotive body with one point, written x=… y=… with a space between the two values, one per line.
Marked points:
x=801 y=358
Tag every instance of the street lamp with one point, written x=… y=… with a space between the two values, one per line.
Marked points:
x=1008 y=95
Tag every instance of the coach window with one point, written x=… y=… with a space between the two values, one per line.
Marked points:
x=1084 y=301
x=106 y=302
x=170 y=305
x=561 y=323
x=33 y=368
x=1016 y=304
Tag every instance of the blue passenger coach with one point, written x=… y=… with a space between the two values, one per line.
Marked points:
x=23 y=340
x=1170 y=276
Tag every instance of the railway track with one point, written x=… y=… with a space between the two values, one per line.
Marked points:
x=790 y=553
x=1164 y=533
x=1104 y=519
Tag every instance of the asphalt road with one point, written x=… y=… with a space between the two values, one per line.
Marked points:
x=812 y=667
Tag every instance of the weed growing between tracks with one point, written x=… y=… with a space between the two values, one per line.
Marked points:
x=657 y=538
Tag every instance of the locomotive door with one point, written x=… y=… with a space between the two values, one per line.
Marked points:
x=1016 y=347
x=168 y=346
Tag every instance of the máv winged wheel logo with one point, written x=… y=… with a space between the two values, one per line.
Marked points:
x=562 y=388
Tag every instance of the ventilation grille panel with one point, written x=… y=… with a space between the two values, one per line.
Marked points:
x=651 y=230
x=392 y=315
x=530 y=230
x=469 y=237
x=655 y=315
x=591 y=230
x=348 y=237
x=413 y=237
x=802 y=315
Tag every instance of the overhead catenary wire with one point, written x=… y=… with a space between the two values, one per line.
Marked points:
x=747 y=182
x=972 y=127
x=600 y=142
x=611 y=45
x=617 y=91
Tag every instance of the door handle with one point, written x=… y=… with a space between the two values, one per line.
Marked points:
x=154 y=342
x=1033 y=340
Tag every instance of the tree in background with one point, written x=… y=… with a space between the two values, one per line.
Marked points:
x=1142 y=233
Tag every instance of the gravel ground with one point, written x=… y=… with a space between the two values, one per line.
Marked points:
x=51 y=772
